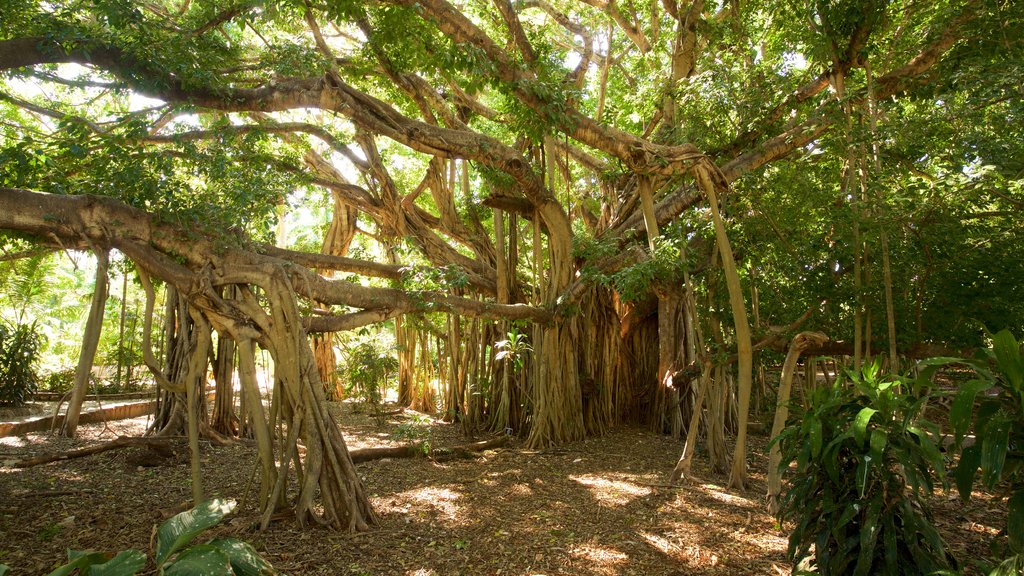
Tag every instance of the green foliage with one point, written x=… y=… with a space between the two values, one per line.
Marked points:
x=87 y=563
x=174 y=555
x=369 y=366
x=636 y=281
x=864 y=460
x=20 y=348
x=513 y=348
x=433 y=278
x=416 y=429
x=179 y=530
x=59 y=381
x=998 y=425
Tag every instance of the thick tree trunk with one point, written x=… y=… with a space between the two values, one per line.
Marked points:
x=406 y=339
x=225 y=420
x=557 y=398
x=671 y=351
x=90 y=341
x=336 y=243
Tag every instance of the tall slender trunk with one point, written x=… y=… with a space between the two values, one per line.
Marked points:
x=890 y=314
x=744 y=348
x=120 y=331
x=800 y=342
x=194 y=388
x=90 y=342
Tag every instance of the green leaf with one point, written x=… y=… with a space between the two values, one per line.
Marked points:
x=963 y=405
x=79 y=560
x=179 y=530
x=939 y=361
x=127 y=563
x=852 y=510
x=245 y=560
x=860 y=424
x=993 y=450
x=970 y=459
x=1007 y=352
x=1012 y=566
x=201 y=560
x=878 y=443
x=1015 y=521
x=868 y=538
x=931 y=451
x=891 y=546
x=4 y=568
x=814 y=433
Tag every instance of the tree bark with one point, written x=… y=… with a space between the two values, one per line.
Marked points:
x=90 y=342
x=800 y=343
x=744 y=350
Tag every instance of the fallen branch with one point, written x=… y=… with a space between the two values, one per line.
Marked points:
x=419 y=450
x=50 y=493
x=157 y=444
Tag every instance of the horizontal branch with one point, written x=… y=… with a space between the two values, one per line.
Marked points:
x=194 y=263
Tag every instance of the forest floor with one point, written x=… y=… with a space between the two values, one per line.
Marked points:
x=596 y=507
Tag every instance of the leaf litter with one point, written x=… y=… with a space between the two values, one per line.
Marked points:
x=596 y=507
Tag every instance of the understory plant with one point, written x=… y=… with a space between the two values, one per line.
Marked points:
x=995 y=399
x=369 y=368
x=417 y=429
x=175 y=554
x=20 y=348
x=864 y=459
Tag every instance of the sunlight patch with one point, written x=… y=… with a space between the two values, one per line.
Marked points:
x=13 y=441
x=733 y=499
x=599 y=556
x=612 y=492
x=520 y=489
x=659 y=542
x=441 y=499
x=981 y=528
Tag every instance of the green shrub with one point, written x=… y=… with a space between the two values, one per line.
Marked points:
x=998 y=425
x=368 y=371
x=416 y=429
x=20 y=349
x=864 y=459
x=59 y=381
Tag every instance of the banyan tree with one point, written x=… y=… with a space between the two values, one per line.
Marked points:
x=552 y=187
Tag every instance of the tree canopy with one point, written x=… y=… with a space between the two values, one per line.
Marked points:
x=633 y=178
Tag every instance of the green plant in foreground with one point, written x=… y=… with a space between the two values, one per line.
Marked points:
x=999 y=435
x=174 y=555
x=864 y=459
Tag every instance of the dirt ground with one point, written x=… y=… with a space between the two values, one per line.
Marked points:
x=597 y=507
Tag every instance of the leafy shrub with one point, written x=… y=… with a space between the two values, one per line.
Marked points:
x=863 y=460
x=368 y=371
x=999 y=432
x=513 y=348
x=20 y=349
x=417 y=429
x=174 y=556
x=59 y=381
